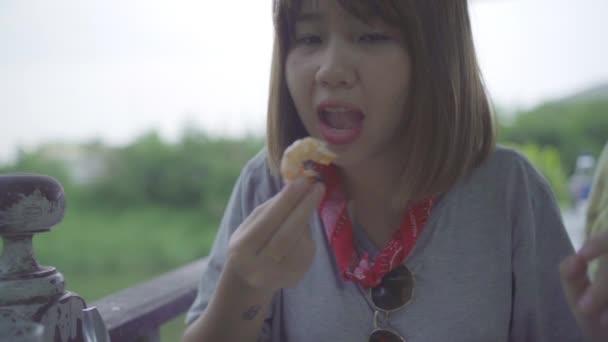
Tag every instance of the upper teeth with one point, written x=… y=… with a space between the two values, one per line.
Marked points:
x=337 y=110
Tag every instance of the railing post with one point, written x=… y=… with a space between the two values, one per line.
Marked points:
x=31 y=204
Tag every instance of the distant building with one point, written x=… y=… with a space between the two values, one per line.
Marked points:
x=84 y=163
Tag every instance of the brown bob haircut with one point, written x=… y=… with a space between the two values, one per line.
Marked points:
x=448 y=125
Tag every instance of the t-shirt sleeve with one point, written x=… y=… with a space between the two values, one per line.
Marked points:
x=540 y=312
x=245 y=196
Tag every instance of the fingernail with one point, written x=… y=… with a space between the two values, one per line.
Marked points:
x=586 y=302
x=588 y=250
x=585 y=251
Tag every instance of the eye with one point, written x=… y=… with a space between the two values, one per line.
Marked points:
x=374 y=37
x=308 y=39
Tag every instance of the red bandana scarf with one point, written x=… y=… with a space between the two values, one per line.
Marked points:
x=338 y=227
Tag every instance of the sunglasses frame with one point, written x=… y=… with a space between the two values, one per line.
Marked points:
x=390 y=331
x=386 y=313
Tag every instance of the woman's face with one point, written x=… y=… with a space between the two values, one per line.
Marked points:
x=349 y=81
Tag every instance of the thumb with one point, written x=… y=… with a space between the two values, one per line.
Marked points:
x=573 y=272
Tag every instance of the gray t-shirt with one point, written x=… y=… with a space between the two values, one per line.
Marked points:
x=486 y=265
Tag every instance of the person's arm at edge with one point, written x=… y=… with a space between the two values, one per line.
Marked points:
x=235 y=313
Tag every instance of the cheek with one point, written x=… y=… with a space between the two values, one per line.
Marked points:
x=391 y=84
x=295 y=79
x=395 y=84
x=399 y=76
x=298 y=80
x=397 y=99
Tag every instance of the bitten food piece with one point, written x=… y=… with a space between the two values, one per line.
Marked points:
x=299 y=153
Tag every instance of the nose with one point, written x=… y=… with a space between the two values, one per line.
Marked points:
x=336 y=67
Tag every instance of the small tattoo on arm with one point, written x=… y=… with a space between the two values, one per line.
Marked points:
x=251 y=313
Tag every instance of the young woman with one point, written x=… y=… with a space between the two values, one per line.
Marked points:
x=421 y=229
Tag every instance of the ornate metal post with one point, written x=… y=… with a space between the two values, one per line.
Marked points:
x=31 y=204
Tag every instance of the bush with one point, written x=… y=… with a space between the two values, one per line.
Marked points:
x=548 y=162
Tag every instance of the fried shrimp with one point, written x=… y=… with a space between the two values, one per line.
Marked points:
x=299 y=153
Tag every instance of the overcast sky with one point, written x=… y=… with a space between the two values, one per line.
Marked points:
x=77 y=69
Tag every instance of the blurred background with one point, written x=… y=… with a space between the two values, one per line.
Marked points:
x=147 y=110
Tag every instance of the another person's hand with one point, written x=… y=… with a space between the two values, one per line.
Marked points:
x=588 y=299
x=273 y=248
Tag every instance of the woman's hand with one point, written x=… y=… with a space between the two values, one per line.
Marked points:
x=588 y=299
x=273 y=248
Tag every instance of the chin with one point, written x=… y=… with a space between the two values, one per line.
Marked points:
x=349 y=159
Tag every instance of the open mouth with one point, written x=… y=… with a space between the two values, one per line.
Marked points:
x=340 y=125
x=341 y=118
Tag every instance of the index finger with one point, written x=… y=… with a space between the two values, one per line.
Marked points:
x=595 y=246
x=270 y=219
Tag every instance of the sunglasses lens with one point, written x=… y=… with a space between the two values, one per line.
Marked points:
x=384 y=336
x=395 y=290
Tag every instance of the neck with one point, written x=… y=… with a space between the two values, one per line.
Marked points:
x=372 y=183
x=370 y=188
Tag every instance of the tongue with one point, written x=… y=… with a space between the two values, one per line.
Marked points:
x=343 y=120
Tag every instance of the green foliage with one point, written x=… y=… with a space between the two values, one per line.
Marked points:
x=93 y=244
x=571 y=128
x=101 y=252
x=547 y=160
x=196 y=172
